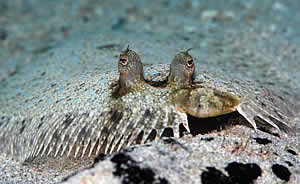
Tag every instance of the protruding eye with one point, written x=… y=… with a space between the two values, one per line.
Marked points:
x=190 y=63
x=124 y=61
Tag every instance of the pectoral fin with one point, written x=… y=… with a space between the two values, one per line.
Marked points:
x=205 y=102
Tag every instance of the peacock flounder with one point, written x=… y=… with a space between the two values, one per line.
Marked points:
x=210 y=95
x=129 y=108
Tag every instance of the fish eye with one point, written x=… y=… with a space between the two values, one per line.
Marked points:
x=190 y=63
x=123 y=61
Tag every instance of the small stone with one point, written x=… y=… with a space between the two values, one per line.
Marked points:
x=218 y=15
x=279 y=7
x=190 y=29
x=209 y=14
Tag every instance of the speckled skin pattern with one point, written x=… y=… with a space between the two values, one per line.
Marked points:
x=182 y=68
x=117 y=120
x=130 y=68
x=113 y=115
x=112 y=122
x=52 y=60
x=210 y=97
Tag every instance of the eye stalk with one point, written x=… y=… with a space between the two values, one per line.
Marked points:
x=182 y=68
x=130 y=68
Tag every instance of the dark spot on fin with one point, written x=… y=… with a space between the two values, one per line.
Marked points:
x=168 y=132
x=116 y=116
x=139 y=137
x=151 y=136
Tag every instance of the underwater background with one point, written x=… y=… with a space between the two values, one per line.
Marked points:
x=257 y=39
x=52 y=42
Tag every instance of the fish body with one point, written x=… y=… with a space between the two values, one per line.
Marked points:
x=102 y=113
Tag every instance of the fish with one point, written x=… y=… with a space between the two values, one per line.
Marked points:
x=128 y=108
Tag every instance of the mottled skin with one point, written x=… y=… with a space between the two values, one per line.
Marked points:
x=130 y=110
x=182 y=68
x=130 y=68
x=201 y=100
x=67 y=137
x=194 y=99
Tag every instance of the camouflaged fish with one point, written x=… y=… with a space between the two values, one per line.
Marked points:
x=128 y=108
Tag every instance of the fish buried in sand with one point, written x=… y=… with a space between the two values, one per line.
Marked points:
x=129 y=111
x=134 y=109
x=198 y=98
